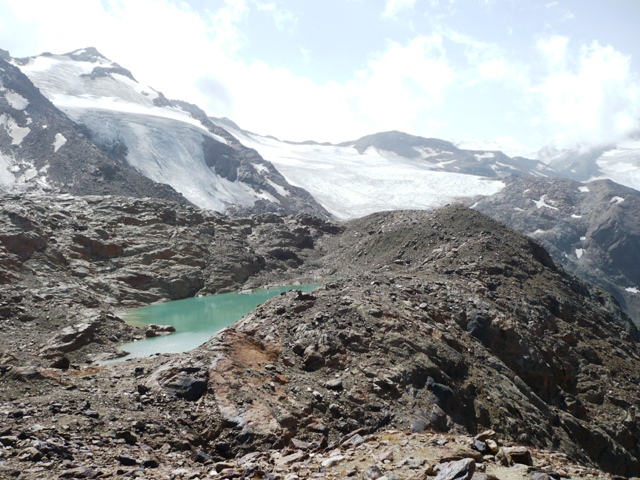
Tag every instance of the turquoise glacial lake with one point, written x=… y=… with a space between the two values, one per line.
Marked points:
x=195 y=319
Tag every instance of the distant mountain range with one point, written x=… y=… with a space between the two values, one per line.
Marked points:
x=81 y=123
x=388 y=170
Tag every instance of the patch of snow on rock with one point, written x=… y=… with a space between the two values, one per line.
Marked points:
x=584 y=189
x=260 y=168
x=15 y=131
x=59 y=142
x=283 y=192
x=617 y=199
x=17 y=101
x=632 y=290
x=219 y=138
x=576 y=216
x=482 y=156
x=582 y=239
x=542 y=203
x=579 y=252
x=6 y=177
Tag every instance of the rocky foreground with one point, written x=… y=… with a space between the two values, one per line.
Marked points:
x=446 y=338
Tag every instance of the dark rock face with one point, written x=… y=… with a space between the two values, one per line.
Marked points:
x=592 y=230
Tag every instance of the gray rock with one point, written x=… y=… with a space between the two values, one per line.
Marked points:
x=71 y=338
x=372 y=473
x=334 y=384
x=459 y=470
x=520 y=455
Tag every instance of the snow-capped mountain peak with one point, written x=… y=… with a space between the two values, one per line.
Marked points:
x=168 y=141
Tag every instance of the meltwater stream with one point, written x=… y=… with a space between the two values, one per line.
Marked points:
x=195 y=319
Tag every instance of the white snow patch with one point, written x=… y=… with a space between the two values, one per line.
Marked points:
x=426 y=152
x=283 y=192
x=16 y=132
x=219 y=138
x=266 y=196
x=59 y=142
x=579 y=252
x=505 y=165
x=542 y=203
x=584 y=189
x=260 y=168
x=17 y=101
x=539 y=232
x=632 y=290
x=582 y=239
x=617 y=199
x=576 y=216
x=6 y=177
x=30 y=174
x=482 y=156
x=518 y=209
x=444 y=163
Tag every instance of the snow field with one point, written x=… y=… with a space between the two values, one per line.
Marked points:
x=351 y=185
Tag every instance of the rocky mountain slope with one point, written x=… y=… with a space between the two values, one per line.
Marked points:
x=443 y=324
x=591 y=229
x=41 y=149
x=168 y=141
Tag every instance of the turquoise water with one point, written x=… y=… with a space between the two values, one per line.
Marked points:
x=196 y=319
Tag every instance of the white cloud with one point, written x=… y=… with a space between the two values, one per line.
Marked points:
x=283 y=18
x=486 y=61
x=393 y=7
x=224 y=25
x=404 y=81
x=396 y=90
x=555 y=51
x=430 y=84
x=588 y=97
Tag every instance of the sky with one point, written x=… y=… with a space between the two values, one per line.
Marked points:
x=515 y=74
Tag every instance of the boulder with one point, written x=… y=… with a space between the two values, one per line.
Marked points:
x=458 y=470
x=70 y=339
